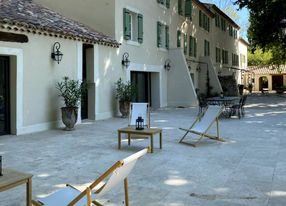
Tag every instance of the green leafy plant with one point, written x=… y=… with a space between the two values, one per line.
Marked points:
x=71 y=91
x=125 y=91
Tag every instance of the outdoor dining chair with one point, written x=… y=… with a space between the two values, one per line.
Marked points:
x=70 y=196
x=238 y=109
x=203 y=123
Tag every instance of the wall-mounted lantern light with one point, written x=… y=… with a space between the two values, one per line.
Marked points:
x=57 y=55
x=125 y=61
x=198 y=69
x=167 y=64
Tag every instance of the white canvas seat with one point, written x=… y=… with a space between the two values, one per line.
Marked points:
x=203 y=123
x=70 y=196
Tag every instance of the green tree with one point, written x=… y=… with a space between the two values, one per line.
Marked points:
x=264 y=30
x=258 y=57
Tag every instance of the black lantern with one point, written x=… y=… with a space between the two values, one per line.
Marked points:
x=167 y=65
x=125 y=61
x=139 y=123
x=57 y=55
x=1 y=174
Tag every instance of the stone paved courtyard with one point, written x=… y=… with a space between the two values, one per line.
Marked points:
x=248 y=169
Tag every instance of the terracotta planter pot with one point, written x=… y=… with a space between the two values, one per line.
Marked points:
x=124 y=108
x=69 y=117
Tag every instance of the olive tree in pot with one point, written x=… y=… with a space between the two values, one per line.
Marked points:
x=71 y=91
x=125 y=92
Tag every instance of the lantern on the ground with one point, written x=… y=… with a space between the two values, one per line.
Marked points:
x=139 y=123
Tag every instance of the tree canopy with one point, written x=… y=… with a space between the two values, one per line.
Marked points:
x=264 y=30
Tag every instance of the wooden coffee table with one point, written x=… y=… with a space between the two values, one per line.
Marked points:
x=146 y=131
x=12 y=178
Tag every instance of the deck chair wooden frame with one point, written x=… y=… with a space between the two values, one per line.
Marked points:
x=115 y=174
x=137 y=108
x=201 y=134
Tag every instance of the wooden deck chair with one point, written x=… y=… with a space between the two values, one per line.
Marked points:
x=203 y=123
x=139 y=109
x=70 y=196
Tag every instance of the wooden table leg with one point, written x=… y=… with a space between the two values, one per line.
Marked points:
x=151 y=141
x=161 y=142
x=129 y=137
x=119 y=140
x=29 y=192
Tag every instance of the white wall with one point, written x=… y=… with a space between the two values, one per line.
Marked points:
x=35 y=76
x=181 y=91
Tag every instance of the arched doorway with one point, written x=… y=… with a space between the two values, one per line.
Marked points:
x=263 y=82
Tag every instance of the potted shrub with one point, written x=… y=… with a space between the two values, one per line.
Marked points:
x=125 y=92
x=71 y=91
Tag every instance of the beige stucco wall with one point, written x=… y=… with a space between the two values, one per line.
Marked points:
x=41 y=105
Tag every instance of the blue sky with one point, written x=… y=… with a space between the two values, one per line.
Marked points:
x=239 y=16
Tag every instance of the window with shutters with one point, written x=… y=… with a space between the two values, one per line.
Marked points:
x=207 y=48
x=230 y=30
x=204 y=21
x=235 y=60
x=234 y=33
x=222 y=24
x=162 y=35
x=224 y=57
x=217 y=20
x=165 y=3
x=185 y=8
x=218 y=55
x=132 y=26
x=192 y=46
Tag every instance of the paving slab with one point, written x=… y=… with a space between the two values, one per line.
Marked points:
x=246 y=170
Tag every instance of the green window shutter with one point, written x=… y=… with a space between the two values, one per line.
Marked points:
x=159 y=44
x=205 y=48
x=167 y=36
x=180 y=9
x=208 y=24
x=195 y=47
x=126 y=24
x=140 y=28
x=178 y=38
x=188 y=8
x=200 y=18
x=168 y=4
x=190 y=46
x=185 y=44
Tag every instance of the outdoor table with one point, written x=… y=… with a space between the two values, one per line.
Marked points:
x=227 y=102
x=12 y=178
x=146 y=131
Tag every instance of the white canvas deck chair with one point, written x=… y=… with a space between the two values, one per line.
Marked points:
x=203 y=123
x=139 y=109
x=70 y=196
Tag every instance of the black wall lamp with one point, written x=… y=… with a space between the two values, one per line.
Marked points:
x=57 y=55
x=125 y=61
x=167 y=64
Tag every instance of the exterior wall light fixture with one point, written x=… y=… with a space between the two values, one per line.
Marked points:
x=57 y=55
x=125 y=61
x=167 y=65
